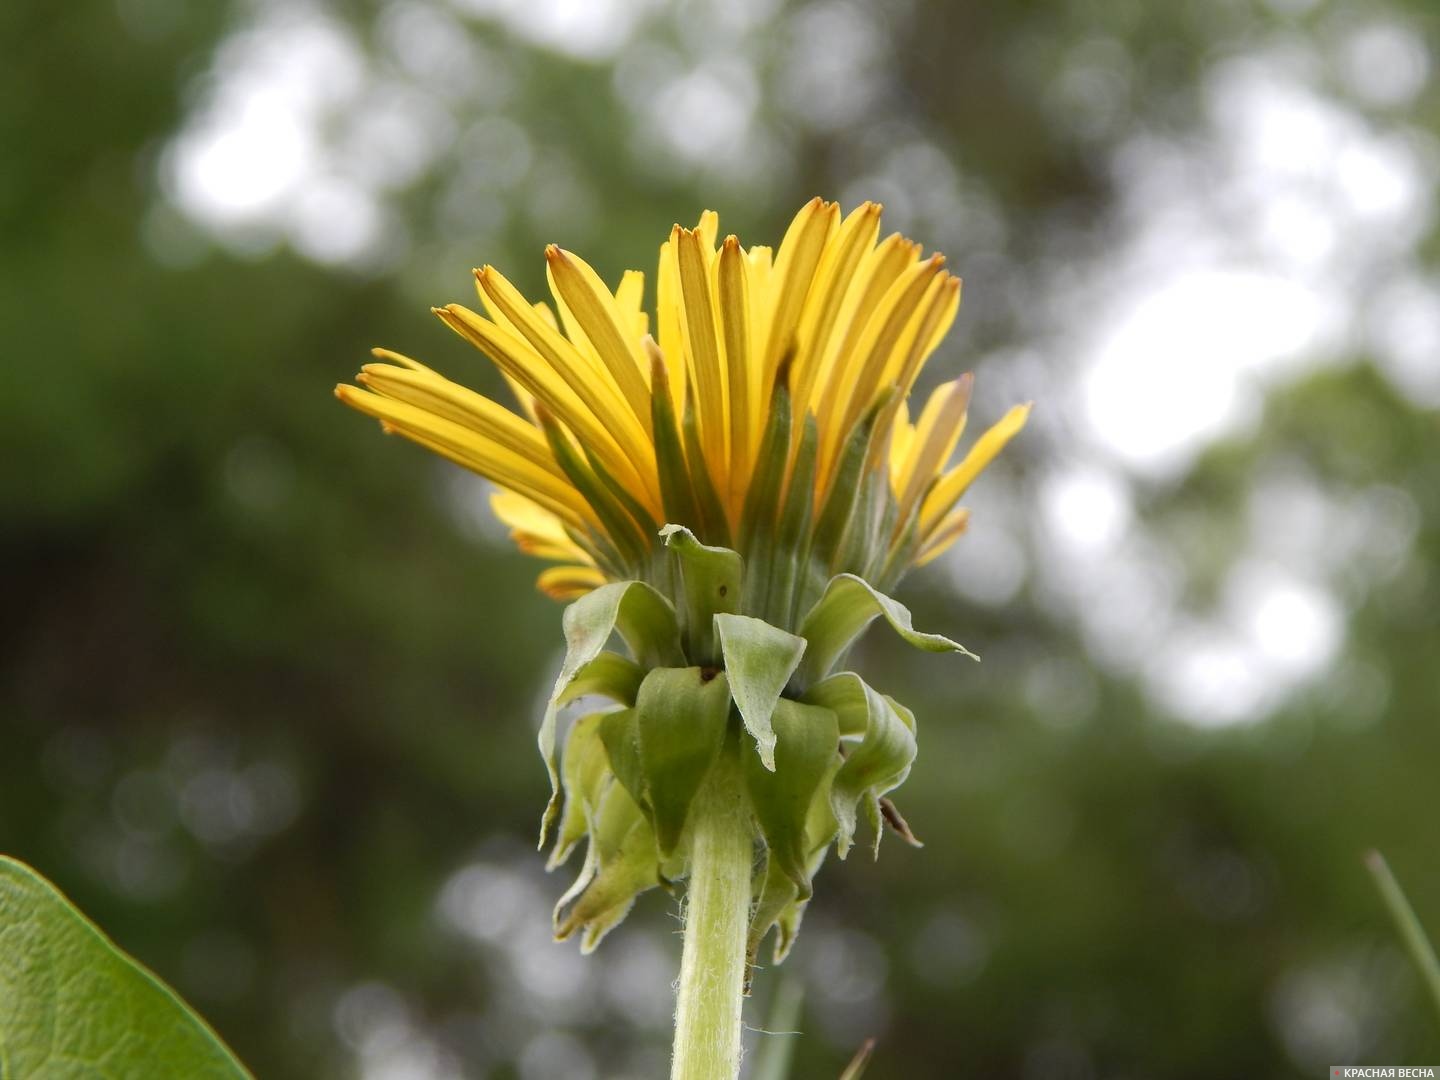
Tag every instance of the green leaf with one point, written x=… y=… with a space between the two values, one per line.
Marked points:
x=895 y=561
x=619 y=865
x=774 y=893
x=787 y=927
x=758 y=525
x=712 y=578
x=676 y=492
x=634 y=509
x=646 y=622
x=620 y=733
x=682 y=716
x=73 y=1005
x=848 y=697
x=584 y=768
x=609 y=675
x=790 y=562
x=714 y=524
x=885 y=525
x=759 y=658
x=631 y=537
x=863 y=535
x=777 y=900
x=847 y=607
x=882 y=760
x=806 y=744
x=838 y=517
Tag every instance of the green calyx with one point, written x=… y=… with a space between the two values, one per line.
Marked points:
x=705 y=674
x=806 y=514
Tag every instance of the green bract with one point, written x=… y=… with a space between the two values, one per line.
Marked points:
x=703 y=678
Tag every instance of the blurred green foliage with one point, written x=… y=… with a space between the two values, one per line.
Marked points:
x=268 y=685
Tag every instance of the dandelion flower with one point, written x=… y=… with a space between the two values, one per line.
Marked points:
x=731 y=489
x=762 y=379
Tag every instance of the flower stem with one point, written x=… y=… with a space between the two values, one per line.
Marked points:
x=1407 y=923
x=717 y=923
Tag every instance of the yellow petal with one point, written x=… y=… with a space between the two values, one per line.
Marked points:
x=630 y=299
x=535 y=530
x=541 y=309
x=891 y=329
x=953 y=286
x=392 y=357
x=569 y=582
x=878 y=271
x=952 y=485
x=937 y=308
x=702 y=351
x=795 y=266
x=941 y=423
x=437 y=394
x=853 y=321
x=536 y=324
x=833 y=280
x=602 y=422
x=475 y=452
x=946 y=533
x=595 y=310
x=760 y=260
x=518 y=512
x=884 y=335
x=668 y=318
x=574 y=330
x=709 y=229
x=902 y=436
x=941 y=304
x=742 y=373
x=760 y=271
x=524 y=398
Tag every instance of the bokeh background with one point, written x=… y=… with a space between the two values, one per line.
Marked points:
x=270 y=681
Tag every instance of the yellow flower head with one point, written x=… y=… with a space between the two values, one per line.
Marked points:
x=764 y=409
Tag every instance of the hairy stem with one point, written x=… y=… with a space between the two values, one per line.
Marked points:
x=717 y=921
